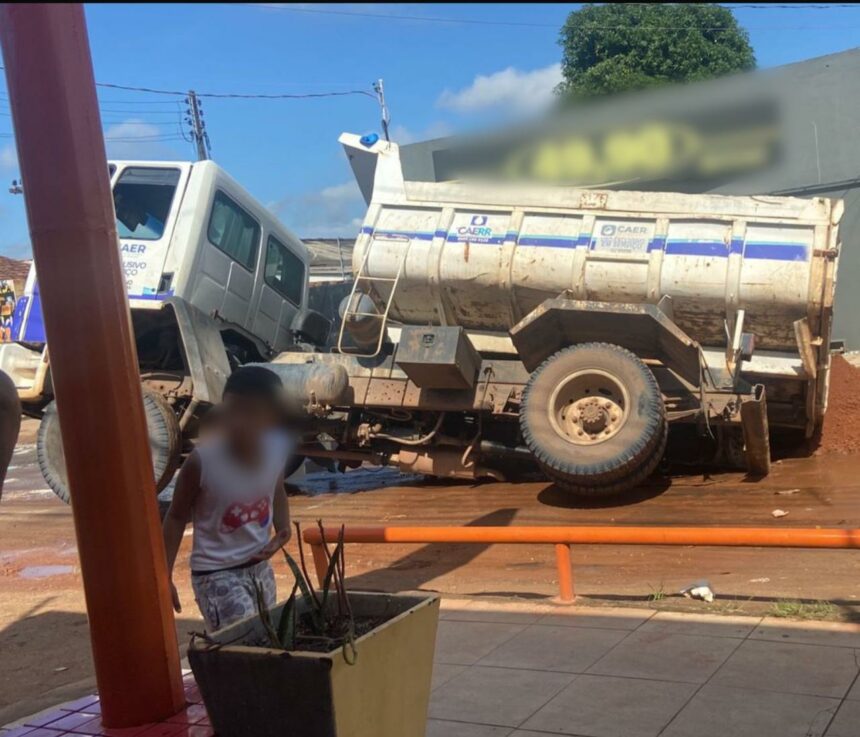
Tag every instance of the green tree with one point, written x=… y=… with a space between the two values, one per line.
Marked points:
x=617 y=47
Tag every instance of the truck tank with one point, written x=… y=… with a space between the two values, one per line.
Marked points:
x=484 y=256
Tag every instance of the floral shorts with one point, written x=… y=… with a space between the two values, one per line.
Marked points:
x=225 y=597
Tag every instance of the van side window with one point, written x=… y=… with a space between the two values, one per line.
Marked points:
x=285 y=272
x=234 y=231
x=142 y=197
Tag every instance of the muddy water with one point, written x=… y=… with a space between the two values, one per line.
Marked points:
x=31 y=572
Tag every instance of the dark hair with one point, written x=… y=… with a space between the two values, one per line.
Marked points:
x=254 y=381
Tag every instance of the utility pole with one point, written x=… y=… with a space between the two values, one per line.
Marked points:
x=198 y=127
x=379 y=89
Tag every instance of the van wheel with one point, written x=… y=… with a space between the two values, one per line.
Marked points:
x=594 y=418
x=164 y=442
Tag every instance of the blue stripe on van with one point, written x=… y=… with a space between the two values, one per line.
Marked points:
x=158 y=296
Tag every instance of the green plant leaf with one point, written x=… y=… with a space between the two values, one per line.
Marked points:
x=317 y=620
x=286 y=625
x=332 y=568
x=263 y=613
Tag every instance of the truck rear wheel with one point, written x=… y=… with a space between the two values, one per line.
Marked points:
x=594 y=418
x=164 y=443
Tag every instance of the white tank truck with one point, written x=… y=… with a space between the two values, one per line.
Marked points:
x=490 y=324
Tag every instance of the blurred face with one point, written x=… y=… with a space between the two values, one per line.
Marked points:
x=244 y=419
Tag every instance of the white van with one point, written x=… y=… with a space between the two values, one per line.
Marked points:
x=214 y=281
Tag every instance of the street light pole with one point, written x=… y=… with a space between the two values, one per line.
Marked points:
x=93 y=360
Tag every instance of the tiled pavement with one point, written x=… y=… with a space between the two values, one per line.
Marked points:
x=520 y=670
x=529 y=670
x=81 y=718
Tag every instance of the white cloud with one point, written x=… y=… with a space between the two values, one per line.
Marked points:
x=332 y=212
x=403 y=135
x=9 y=158
x=135 y=139
x=511 y=88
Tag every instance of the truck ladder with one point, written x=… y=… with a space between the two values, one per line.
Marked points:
x=352 y=310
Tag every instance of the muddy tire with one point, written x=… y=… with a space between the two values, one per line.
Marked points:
x=594 y=418
x=164 y=442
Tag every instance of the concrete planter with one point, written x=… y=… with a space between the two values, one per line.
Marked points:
x=261 y=692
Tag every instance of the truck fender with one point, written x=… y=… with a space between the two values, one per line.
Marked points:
x=645 y=330
x=204 y=350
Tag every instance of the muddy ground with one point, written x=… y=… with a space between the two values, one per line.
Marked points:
x=44 y=646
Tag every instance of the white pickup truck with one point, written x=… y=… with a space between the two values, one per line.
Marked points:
x=214 y=280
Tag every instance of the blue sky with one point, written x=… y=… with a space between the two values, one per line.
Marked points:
x=440 y=77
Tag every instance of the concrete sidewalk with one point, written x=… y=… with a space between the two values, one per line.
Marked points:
x=522 y=670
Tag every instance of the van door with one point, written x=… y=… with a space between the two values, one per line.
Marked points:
x=146 y=202
x=229 y=259
x=281 y=293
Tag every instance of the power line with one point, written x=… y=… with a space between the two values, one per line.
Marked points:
x=424 y=18
x=147 y=113
x=236 y=95
x=239 y=95
x=136 y=102
x=555 y=26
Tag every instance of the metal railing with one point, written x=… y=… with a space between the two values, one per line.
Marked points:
x=562 y=538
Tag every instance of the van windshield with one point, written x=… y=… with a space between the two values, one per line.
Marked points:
x=142 y=198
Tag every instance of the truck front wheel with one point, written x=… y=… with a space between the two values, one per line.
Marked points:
x=594 y=418
x=164 y=443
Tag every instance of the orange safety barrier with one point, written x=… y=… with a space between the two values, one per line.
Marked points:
x=563 y=537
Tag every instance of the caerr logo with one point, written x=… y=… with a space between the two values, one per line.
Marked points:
x=477 y=227
x=610 y=229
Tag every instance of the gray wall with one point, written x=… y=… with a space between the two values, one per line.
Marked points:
x=809 y=146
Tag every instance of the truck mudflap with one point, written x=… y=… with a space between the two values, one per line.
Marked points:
x=755 y=430
x=643 y=329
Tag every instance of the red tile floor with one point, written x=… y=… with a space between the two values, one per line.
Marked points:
x=83 y=717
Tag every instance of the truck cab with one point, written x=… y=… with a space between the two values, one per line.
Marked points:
x=213 y=279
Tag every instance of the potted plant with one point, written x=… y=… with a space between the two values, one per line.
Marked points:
x=324 y=663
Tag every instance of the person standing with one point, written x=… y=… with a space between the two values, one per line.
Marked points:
x=231 y=489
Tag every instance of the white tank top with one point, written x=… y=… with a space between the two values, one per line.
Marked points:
x=232 y=514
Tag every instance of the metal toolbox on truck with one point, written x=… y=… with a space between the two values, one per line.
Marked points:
x=436 y=357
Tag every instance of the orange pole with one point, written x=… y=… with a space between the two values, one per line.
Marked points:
x=565 y=574
x=93 y=361
x=615 y=535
